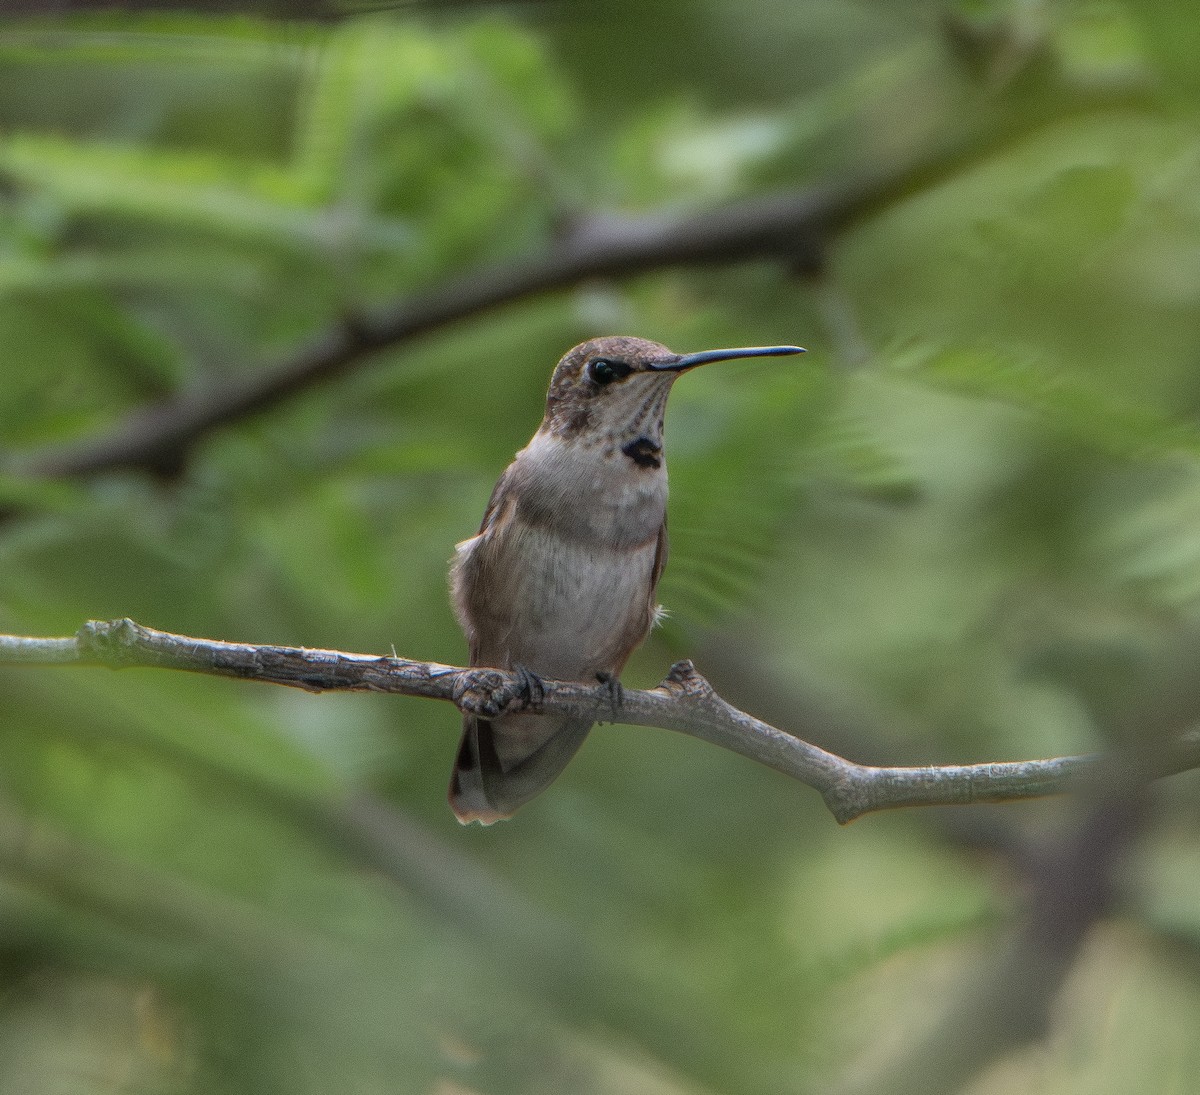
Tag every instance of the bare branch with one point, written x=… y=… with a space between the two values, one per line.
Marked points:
x=684 y=702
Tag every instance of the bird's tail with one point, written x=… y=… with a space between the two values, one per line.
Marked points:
x=503 y=763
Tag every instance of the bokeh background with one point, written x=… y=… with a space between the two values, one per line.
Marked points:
x=965 y=527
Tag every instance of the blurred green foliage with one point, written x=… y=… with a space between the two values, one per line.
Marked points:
x=968 y=522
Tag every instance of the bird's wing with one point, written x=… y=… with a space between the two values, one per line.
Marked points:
x=661 y=550
x=467 y=570
x=495 y=507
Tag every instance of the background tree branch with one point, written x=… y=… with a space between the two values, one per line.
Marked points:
x=684 y=702
x=792 y=226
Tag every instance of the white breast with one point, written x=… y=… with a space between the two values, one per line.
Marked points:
x=566 y=610
x=569 y=571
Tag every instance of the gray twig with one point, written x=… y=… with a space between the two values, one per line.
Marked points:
x=684 y=702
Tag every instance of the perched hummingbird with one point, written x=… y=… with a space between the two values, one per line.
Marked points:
x=560 y=580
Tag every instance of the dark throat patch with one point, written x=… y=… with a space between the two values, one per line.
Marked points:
x=644 y=453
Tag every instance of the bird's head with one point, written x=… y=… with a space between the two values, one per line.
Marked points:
x=613 y=391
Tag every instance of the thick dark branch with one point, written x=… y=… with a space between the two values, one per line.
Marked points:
x=792 y=226
x=1006 y=998
x=159 y=437
x=684 y=702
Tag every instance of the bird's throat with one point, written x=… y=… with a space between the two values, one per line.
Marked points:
x=644 y=452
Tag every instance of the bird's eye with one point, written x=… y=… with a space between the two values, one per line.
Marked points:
x=604 y=370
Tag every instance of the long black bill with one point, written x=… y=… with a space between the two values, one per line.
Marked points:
x=690 y=361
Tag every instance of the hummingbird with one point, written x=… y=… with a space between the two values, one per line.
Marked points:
x=560 y=580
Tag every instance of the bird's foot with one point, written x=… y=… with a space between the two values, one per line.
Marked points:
x=533 y=690
x=616 y=694
x=490 y=693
